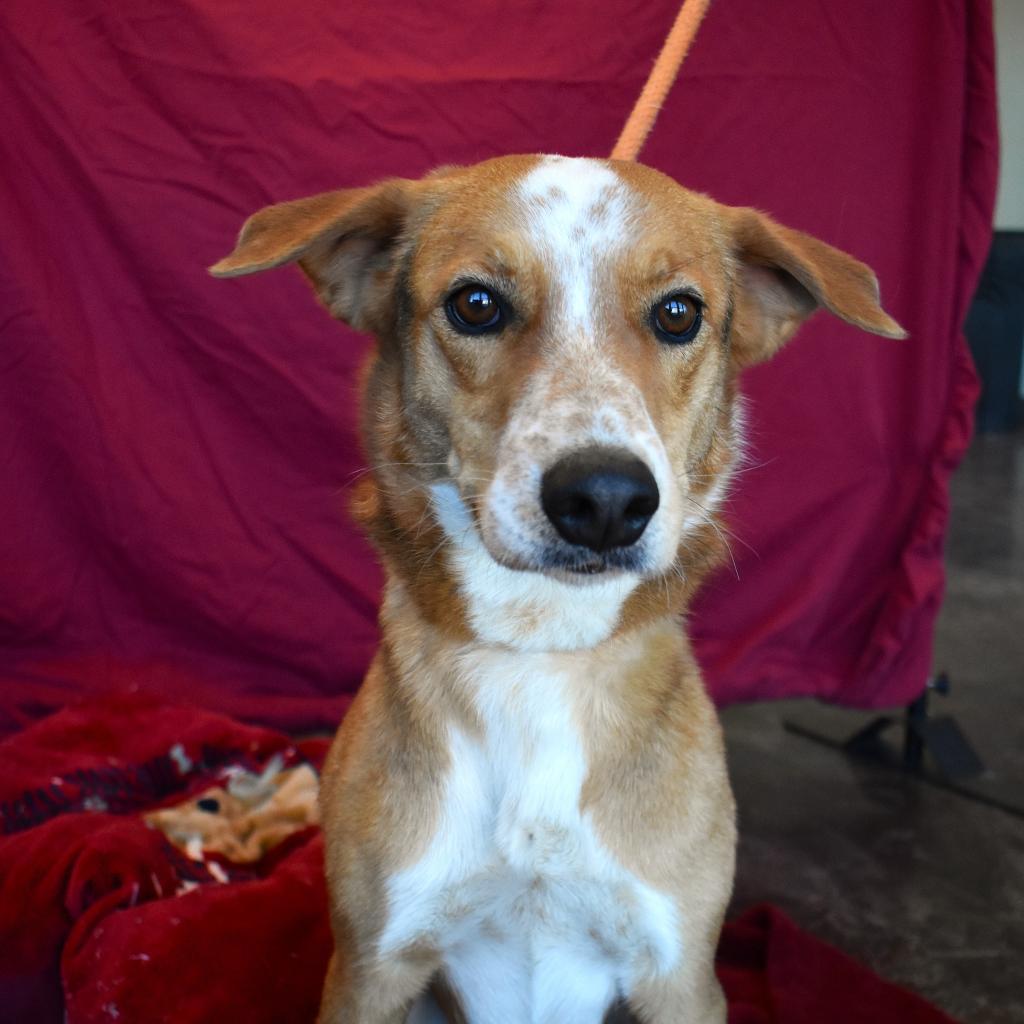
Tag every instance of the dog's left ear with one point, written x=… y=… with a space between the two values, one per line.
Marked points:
x=784 y=277
x=343 y=241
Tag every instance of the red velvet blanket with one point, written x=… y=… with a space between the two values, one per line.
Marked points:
x=101 y=916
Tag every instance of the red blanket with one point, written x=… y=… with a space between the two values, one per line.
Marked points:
x=175 y=450
x=90 y=919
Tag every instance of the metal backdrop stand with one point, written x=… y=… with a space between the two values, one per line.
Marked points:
x=934 y=749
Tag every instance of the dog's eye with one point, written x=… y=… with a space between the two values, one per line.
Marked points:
x=474 y=309
x=677 y=319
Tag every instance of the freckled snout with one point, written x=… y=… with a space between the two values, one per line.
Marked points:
x=599 y=498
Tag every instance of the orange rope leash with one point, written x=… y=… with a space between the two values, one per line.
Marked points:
x=663 y=74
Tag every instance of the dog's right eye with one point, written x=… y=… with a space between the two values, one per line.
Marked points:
x=474 y=309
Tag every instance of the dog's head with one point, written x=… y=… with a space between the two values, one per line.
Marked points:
x=558 y=344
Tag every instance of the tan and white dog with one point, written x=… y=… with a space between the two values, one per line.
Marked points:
x=527 y=813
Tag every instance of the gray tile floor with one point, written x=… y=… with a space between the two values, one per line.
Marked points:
x=924 y=886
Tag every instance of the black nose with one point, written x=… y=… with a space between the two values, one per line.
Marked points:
x=600 y=498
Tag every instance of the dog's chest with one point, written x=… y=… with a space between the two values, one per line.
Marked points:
x=515 y=871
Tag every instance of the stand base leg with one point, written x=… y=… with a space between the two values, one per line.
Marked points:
x=927 y=742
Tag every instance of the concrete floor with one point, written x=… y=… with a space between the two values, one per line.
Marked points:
x=922 y=885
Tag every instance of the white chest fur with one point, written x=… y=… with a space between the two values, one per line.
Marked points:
x=536 y=920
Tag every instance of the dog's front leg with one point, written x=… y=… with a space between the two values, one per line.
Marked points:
x=377 y=995
x=691 y=993
x=702 y=1002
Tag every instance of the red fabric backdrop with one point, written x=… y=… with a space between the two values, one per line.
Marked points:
x=175 y=451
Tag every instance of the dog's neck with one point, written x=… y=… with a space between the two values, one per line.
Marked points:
x=448 y=580
x=525 y=611
x=588 y=639
x=439 y=675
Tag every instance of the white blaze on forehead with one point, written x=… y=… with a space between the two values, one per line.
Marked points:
x=577 y=212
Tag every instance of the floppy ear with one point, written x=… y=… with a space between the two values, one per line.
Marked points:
x=785 y=276
x=343 y=241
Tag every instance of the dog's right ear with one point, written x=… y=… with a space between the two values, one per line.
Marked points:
x=343 y=241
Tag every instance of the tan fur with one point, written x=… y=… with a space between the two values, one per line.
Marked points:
x=437 y=406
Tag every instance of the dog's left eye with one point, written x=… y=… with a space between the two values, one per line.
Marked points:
x=677 y=319
x=474 y=309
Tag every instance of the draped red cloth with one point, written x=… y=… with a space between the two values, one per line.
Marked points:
x=176 y=451
x=89 y=918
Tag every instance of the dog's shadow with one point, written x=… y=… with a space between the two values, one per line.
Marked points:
x=441 y=1008
x=619 y=1014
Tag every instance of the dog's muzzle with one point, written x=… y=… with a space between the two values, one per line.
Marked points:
x=599 y=498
